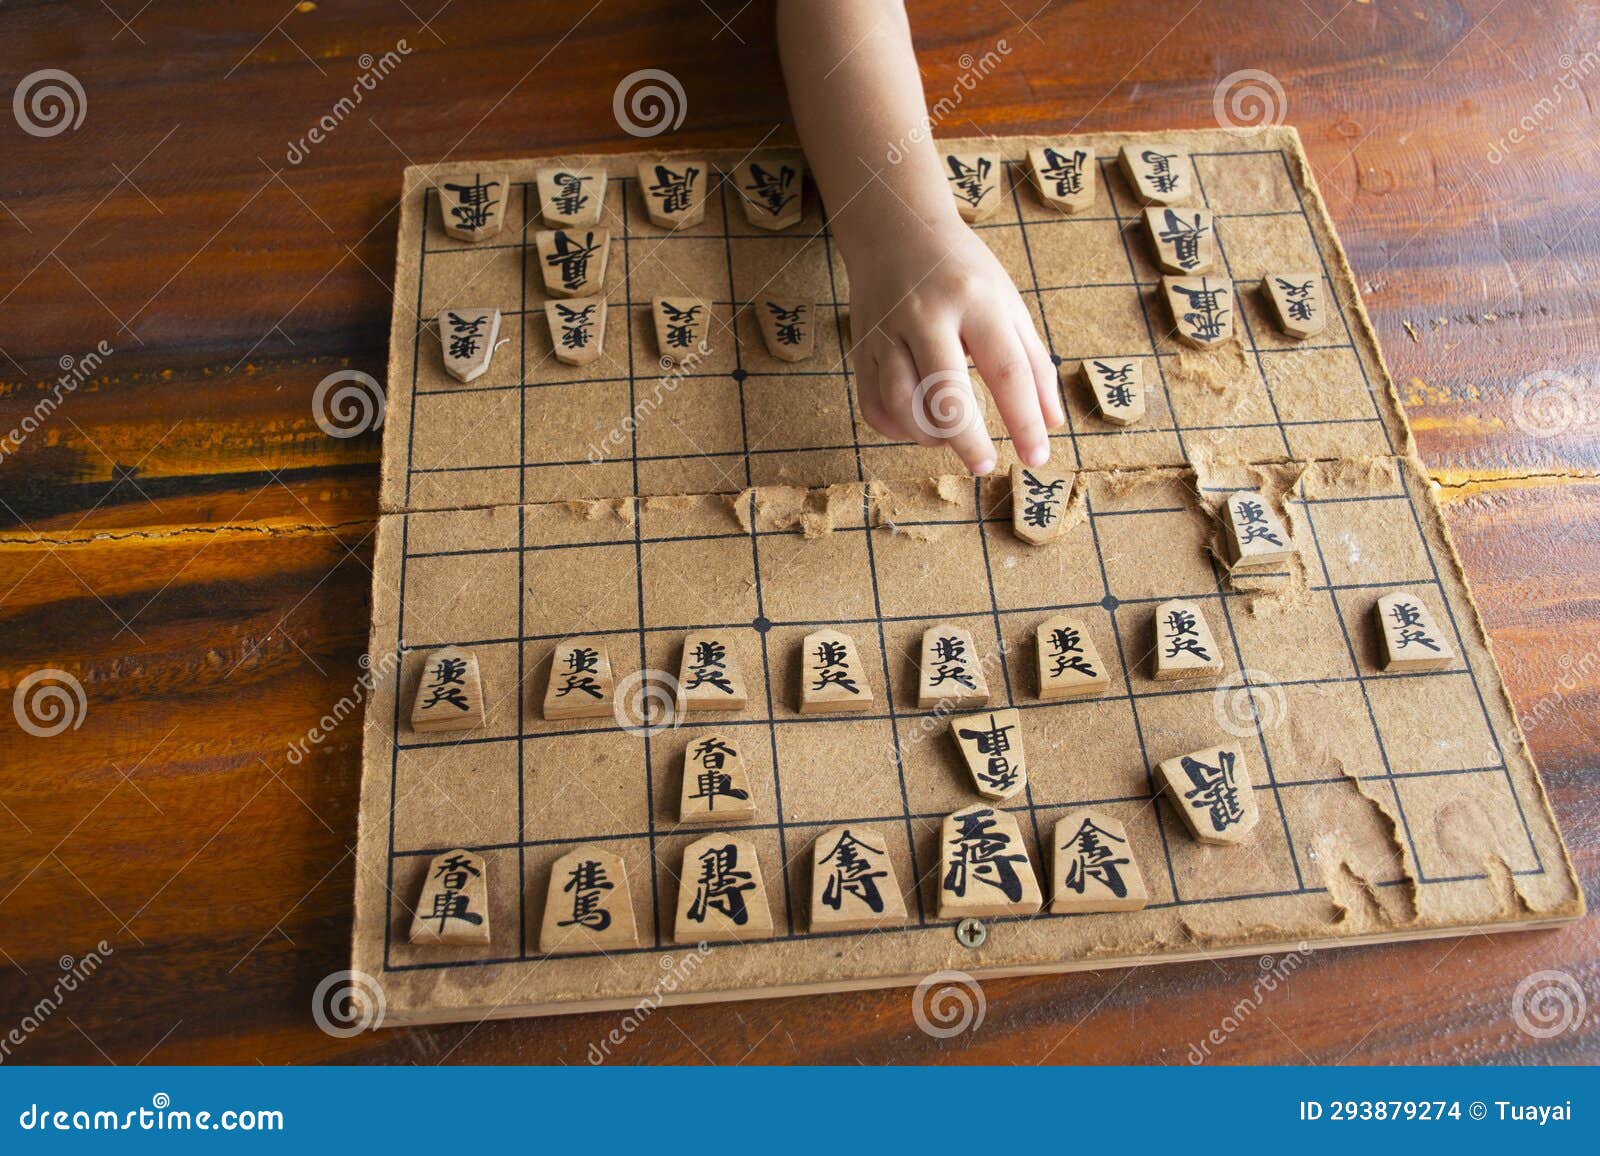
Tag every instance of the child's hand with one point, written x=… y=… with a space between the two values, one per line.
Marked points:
x=921 y=300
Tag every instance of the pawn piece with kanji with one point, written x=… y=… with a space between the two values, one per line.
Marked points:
x=951 y=674
x=580 y=681
x=1039 y=497
x=577 y=329
x=1185 y=647
x=683 y=327
x=1118 y=387
x=449 y=693
x=1411 y=638
x=708 y=675
x=832 y=677
x=1297 y=303
x=1069 y=663
x=467 y=339
x=788 y=327
x=1256 y=537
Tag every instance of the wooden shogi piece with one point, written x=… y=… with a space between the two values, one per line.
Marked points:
x=788 y=326
x=708 y=674
x=1064 y=175
x=1185 y=647
x=1069 y=663
x=573 y=261
x=1256 y=536
x=1185 y=240
x=722 y=896
x=1211 y=789
x=1039 y=502
x=1159 y=173
x=1117 y=384
x=454 y=905
x=716 y=786
x=588 y=905
x=674 y=191
x=1202 y=309
x=976 y=182
x=467 y=340
x=577 y=329
x=991 y=745
x=853 y=885
x=984 y=868
x=683 y=328
x=951 y=673
x=832 y=677
x=570 y=198
x=771 y=189
x=1092 y=866
x=1411 y=638
x=1298 y=303
x=473 y=209
x=449 y=692
x=580 y=681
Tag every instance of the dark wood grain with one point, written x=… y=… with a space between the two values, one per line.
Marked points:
x=184 y=539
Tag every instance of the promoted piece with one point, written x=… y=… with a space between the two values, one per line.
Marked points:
x=1039 y=503
x=1118 y=387
x=1411 y=640
x=771 y=188
x=573 y=262
x=716 y=787
x=853 y=887
x=975 y=180
x=1092 y=867
x=722 y=897
x=1158 y=173
x=984 y=867
x=787 y=327
x=467 y=340
x=1297 y=303
x=1069 y=664
x=675 y=192
x=1211 y=790
x=570 y=199
x=1255 y=535
x=1202 y=309
x=580 y=681
x=473 y=209
x=708 y=675
x=991 y=744
x=683 y=326
x=577 y=329
x=1064 y=176
x=588 y=906
x=449 y=693
x=1184 y=646
x=1185 y=239
x=454 y=905
x=832 y=678
x=951 y=673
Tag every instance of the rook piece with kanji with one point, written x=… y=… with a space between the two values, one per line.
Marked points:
x=1297 y=303
x=467 y=340
x=951 y=673
x=472 y=208
x=1064 y=175
x=984 y=868
x=1202 y=309
x=454 y=905
x=722 y=896
x=449 y=693
x=577 y=329
x=1118 y=387
x=580 y=681
x=991 y=746
x=674 y=192
x=771 y=188
x=683 y=328
x=832 y=678
x=571 y=198
x=853 y=885
x=573 y=261
x=1039 y=503
x=1184 y=239
x=1092 y=866
x=1159 y=173
x=708 y=675
x=1411 y=638
x=1211 y=790
x=976 y=181
x=1069 y=663
x=1256 y=537
x=788 y=327
x=1184 y=645
x=716 y=787
x=588 y=906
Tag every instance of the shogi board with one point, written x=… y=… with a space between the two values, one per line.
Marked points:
x=1393 y=806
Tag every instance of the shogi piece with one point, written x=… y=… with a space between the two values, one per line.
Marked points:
x=577 y=328
x=588 y=906
x=1202 y=309
x=708 y=675
x=722 y=896
x=467 y=340
x=716 y=787
x=1298 y=303
x=951 y=673
x=1118 y=387
x=984 y=867
x=1069 y=663
x=772 y=189
x=683 y=328
x=1184 y=645
x=454 y=905
x=1185 y=240
x=473 y=208
x=570 y=198
x=1411 y=638
x=573 y=261
x=675 y=192
x=832 y=677
x=1039 y=503
x=1256 y=537
x=787 y=326
x=1211 y=790
x=853 y=886
x=1092 y=867
x=976 y=182
x=1064 y=176
x=580 y=681
x=1159 y=173
x=991 y=744
x=449 y=694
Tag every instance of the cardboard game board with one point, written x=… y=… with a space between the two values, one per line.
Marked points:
x=627 y=502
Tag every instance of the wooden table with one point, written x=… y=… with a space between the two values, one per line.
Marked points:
x=183 y=538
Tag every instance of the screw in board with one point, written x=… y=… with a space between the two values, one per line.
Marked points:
x=971 y=933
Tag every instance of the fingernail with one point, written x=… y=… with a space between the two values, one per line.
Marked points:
x=984 y=466
x=1038 y=455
